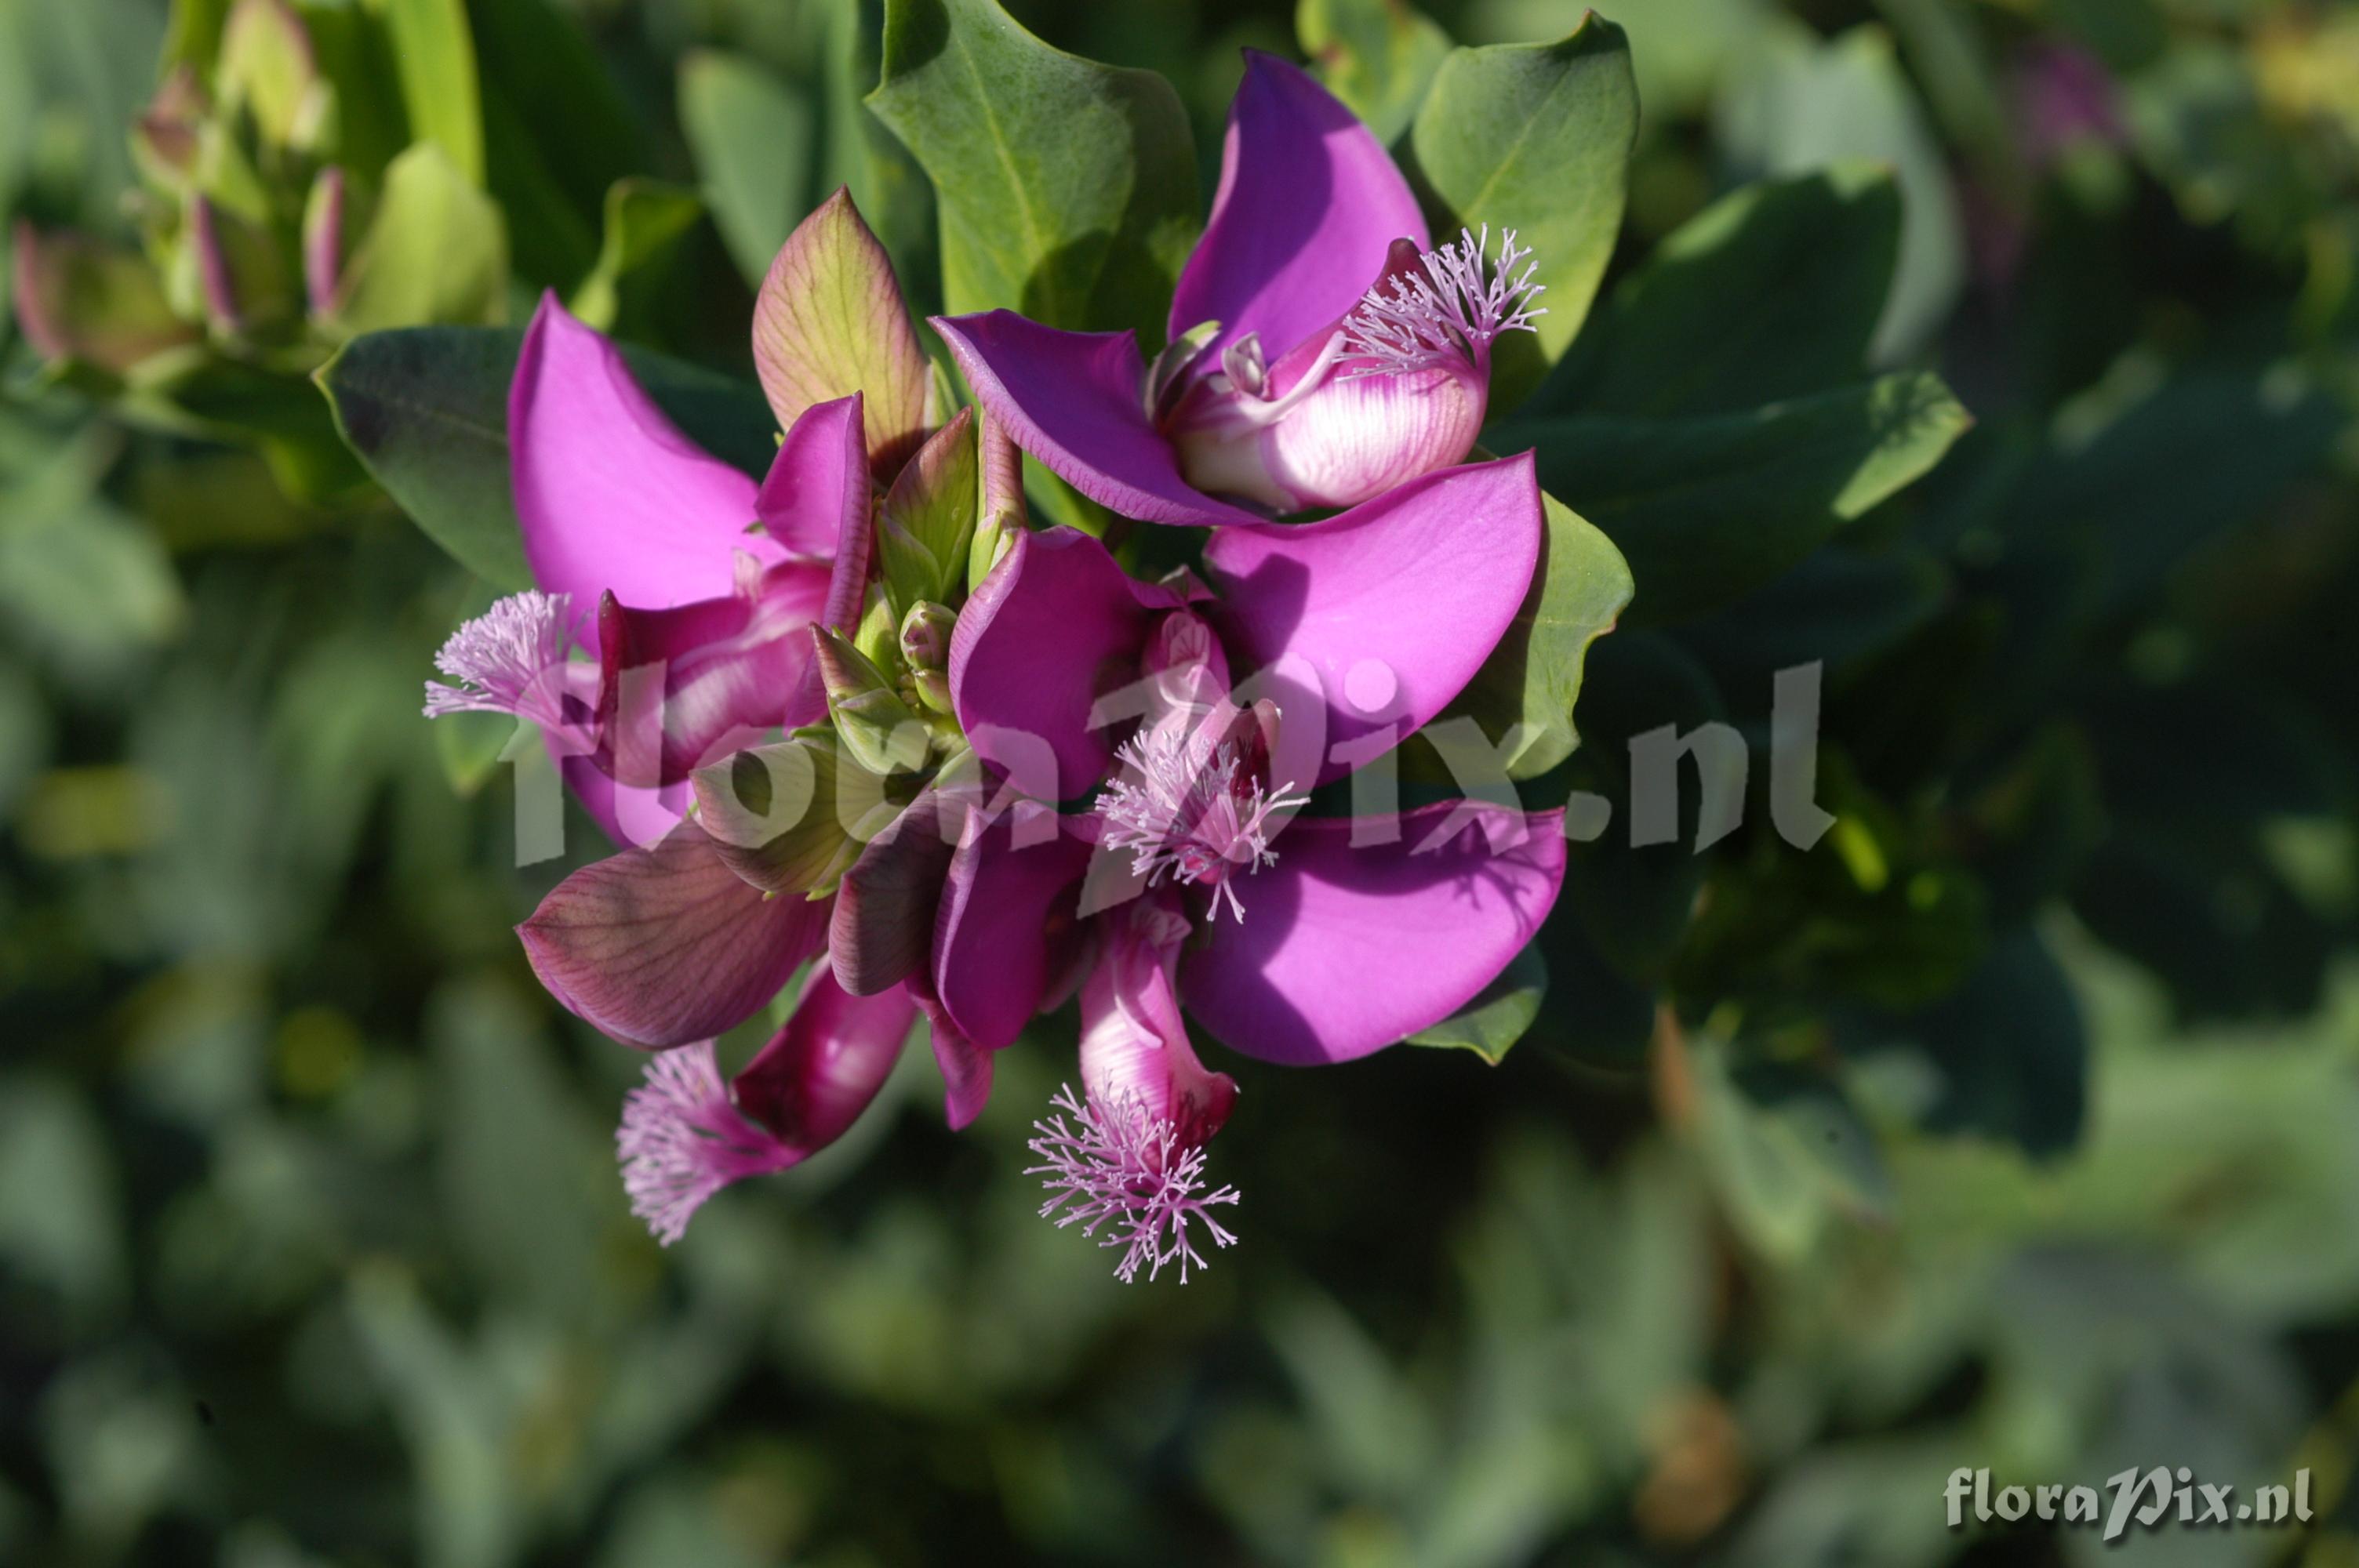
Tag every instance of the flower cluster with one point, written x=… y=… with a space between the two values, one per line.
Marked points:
x=862 y=719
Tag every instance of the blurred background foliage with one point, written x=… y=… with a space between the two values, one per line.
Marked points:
x=2010 y=1126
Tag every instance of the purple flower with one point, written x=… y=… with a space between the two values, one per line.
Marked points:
x=1321 y=350
x=694 y=586
x=2065 y=97
x=686 y=1134
x=1314 y=648
x=1131 y=1160
x=1318 y=939
x=695 y=590
x=1371 y=621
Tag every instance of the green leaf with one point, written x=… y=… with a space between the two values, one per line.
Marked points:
x=1533 y=676
x=1879 y=910
x=424 y=408
x=2208 y=910
x=233 y=400
x=1804 y=104
x=1500 y=1013
x=1601 y=1019
x=353 y=47
x=1632 y=903
x=745 y=127
x=1377 y=55
x=882 y=734
x=1840 y=605
x=558 y=133
x=2150 y=482
x=82 y=581
x=535 y=60
x=1537 y=138
x=193 y=37
x=2010 y=1050
x=1785 y=1152
x=266 y=68
x=1771 y=293
x=864 y=157
x=929 y=516
x=1066 y=188
x=645 y=219
x=435 y=252
x=518 y=1163
x=436 y=58
x=1711 y=508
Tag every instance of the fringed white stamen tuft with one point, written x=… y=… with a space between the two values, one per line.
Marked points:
x=1113 y=1168
x=510 y=659
x=1450 y=309
x=1193 y=810
x=682 y=1139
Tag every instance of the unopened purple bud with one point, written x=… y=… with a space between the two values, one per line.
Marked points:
x=926 y=636
x=166 y=133
x=213 y=266
x=933 y=689
x=324 y=240
x=1396 y=389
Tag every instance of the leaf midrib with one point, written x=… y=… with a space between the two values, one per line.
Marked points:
x=1000 y=149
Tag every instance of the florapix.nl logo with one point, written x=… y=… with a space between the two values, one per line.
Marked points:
x=2157 y=1499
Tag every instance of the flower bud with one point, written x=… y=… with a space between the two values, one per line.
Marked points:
x=324 y=241
x=926 y=636
x=1350 y=440
x=878 y=729
x=1397 y=388
x=166 y=137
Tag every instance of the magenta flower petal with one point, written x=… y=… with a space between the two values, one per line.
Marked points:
x=838 y=451
x=813 y=500
x=1073 y=401
x=1136 y=1054
x=1055 y=626
x=609 y=494
x=1003 y=905
x=882 y=932
x=1395 y=604
x=665 y=944
x=966 y=1066
x=1308 y=206
x=811 y=1083
x=679 y=686
x=1348 y=948
x=627 y=815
